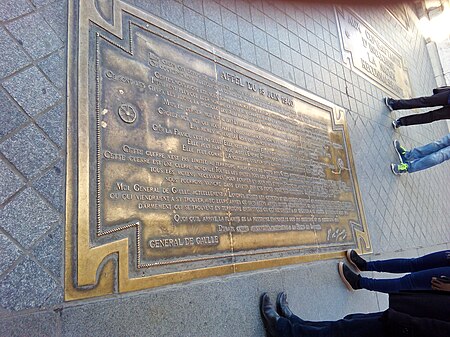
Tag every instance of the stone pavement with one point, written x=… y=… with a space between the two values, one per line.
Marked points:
x=407 y=215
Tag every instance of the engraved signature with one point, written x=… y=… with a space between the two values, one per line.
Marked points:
x=337 y=234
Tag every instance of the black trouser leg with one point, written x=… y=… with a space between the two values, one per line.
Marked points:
x=427 y=117
x=357 y=325
x=422 y=102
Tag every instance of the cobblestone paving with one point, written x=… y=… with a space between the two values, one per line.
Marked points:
x=406 y=215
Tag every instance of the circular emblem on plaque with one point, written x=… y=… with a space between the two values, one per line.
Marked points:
x=127 y=113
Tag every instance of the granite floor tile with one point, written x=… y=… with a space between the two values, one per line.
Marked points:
x=29 y=151
x=27 y=217
x=54 y=67
x=26 y=286
x=50 y=253
x=32 y=91
x=194 y=22
x=12 y=58
x=11 y=116
x=56 y=16
x=35 y=35
x=53 y=123
x=10 y=9
x=51 y=186
x=8 y=254
x=10 y=182
x=214 y=33
x=172 y=11
x=38 y=324
x=245 y=29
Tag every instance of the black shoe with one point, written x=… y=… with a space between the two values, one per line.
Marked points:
x=282 y=305
x=355 y=260
x=350 y=279
x=269 y=315
x=389 y=101
x=395 y=124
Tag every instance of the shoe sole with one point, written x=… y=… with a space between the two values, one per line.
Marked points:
x=388 y=106
x=394 y=125
x=347 y=255
x=398 y=153
x=341 y=274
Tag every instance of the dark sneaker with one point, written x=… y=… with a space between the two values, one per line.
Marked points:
x=401 y=151
x=398 y=169
x=350 y=279
x=389 y=101
x=355 y=260
x=395 y=124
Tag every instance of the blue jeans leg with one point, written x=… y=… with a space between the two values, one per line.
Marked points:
x=429 y=261
x=426 y=156
x=420 y=280
x=429 y=161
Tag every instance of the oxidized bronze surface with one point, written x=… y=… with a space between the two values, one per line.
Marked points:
x=185 y=162
x=367 y=53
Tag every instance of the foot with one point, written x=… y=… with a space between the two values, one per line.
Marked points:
x=389 y=101
x=269 y=315
x=355 y=260
x=400 y=150
x=282 y=305
x=350 y=279
x=398 y=169
x=395 y=124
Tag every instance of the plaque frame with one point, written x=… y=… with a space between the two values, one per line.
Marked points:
x=102 y=270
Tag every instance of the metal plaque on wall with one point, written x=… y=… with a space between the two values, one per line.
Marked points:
x=185 y=162
x=368 y=54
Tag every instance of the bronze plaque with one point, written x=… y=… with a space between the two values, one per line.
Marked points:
x=369 y=55
x=185 y=162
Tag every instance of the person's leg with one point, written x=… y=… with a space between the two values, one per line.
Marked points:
x=420 y=280
x=425 y=150
x=284 y=328
x=421 y=102
x=429 y=261
x=429 y=161
x=422 y=157
x=355 y=325
x=295 y=319
x=424 y=118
